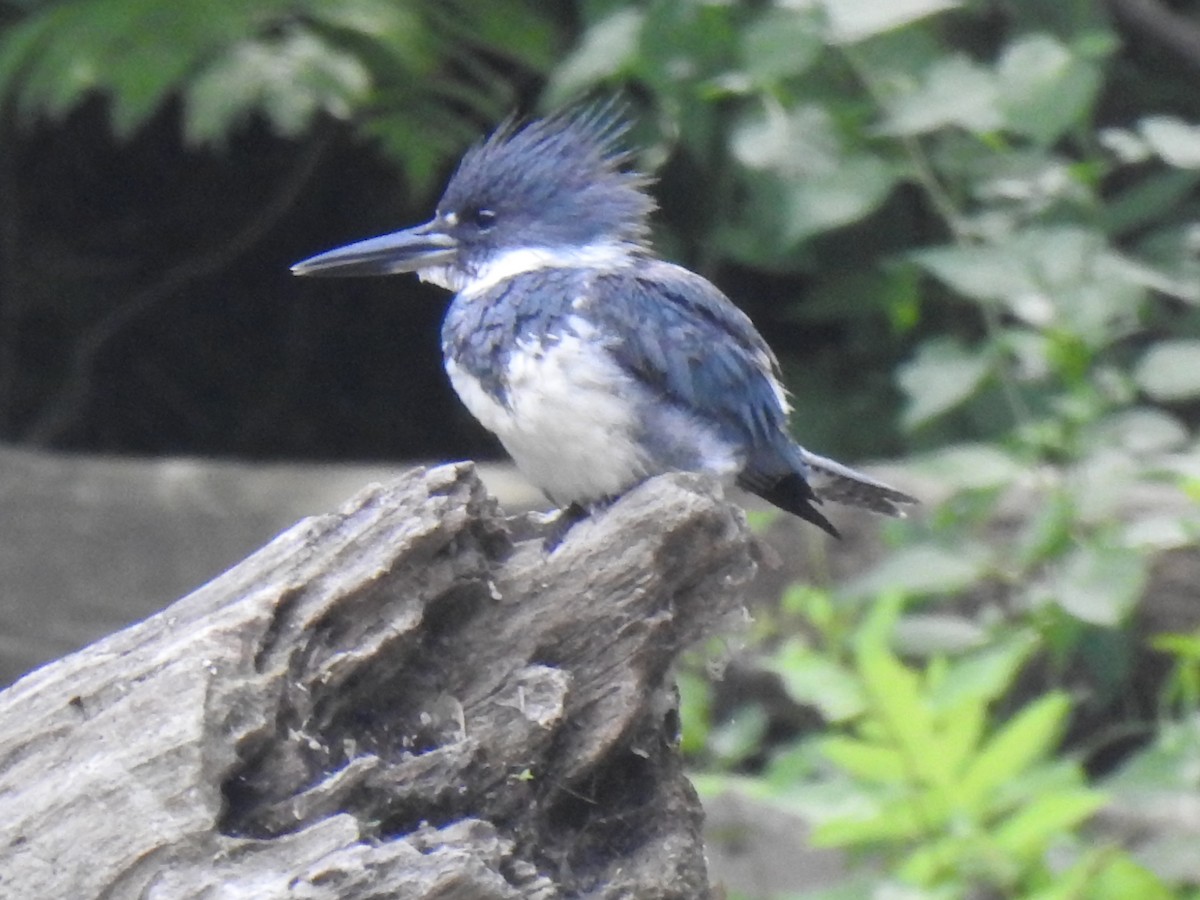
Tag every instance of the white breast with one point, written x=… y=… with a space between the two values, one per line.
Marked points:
x=571 y=421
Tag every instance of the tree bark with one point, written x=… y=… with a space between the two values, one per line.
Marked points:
x=409 y=698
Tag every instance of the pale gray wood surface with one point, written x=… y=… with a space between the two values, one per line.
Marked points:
x=90 y=544
x=407 y=698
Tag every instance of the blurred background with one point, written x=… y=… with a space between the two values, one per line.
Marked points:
x=969 y=228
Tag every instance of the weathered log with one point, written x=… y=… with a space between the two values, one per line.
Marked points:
x=409 y=698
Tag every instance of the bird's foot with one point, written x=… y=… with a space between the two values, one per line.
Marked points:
x=558 y=527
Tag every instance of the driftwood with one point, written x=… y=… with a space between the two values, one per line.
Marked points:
x=409 y=698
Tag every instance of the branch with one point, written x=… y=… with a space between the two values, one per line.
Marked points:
x=408 y=698
x=63 y=410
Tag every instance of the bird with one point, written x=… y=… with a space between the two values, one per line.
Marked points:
x=597 y=363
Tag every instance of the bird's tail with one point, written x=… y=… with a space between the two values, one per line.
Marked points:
x=830 y=480
x=791 y=493
x=797 y=481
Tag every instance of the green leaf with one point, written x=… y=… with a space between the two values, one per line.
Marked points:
x=400 y=27
x=927 y=634
x=1023 y=183
x=801 y=172
x=781 y=43
x=1140 y=430
x=1165 y=775
x=851 y=21
x=1167 y=769
x=1065 y=278
x=682 y=48
x=894 y=698
x=801 y=142
x=739 y=736
x=955 y=91
x=895 y=821
x=1128 y=147
x=1027 y=737
x=283 y=60
x=985 y=674
x=1047 y=532
x=984 y=272
x=1027 y=833
x=921 y=570
x=935 y=861
x=1170 y=370
x=516 y=30
x=1057 y=772
x=797 y=765
x=1099 y=585
x=1072 y=883
x=817 y=680
x=970 y=467
x=106 y=46
x=1104 y=873
x=695 y=704
x=21 y=43
x=1175 y=141
x=822 y=201
x=607 y=48
x=290 y=79
x=866 y=760
x=1122 y=878
x=421 y=139
x=1044 y=88
x=1145 y=202
x=1156 y=533
x=942 y=377
x=960 y=734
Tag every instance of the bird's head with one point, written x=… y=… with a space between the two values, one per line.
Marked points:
x=541 y=192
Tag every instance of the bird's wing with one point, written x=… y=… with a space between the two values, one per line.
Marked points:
x=683 y=338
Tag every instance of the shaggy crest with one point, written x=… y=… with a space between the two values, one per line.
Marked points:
x=561 y=178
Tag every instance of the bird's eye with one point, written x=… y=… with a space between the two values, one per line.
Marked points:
x=483 y=218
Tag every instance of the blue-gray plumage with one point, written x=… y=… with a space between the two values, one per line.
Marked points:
x=597 y=364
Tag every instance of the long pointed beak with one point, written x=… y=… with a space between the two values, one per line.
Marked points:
x=401 y=251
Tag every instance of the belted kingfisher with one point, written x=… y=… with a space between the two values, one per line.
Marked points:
x=596 y=363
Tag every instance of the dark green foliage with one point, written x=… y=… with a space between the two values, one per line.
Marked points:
x=966 y=183
x=967 y=227
x=226 y=61
x=162 y=165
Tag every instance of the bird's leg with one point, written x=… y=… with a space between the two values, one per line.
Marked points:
x=568 y=517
